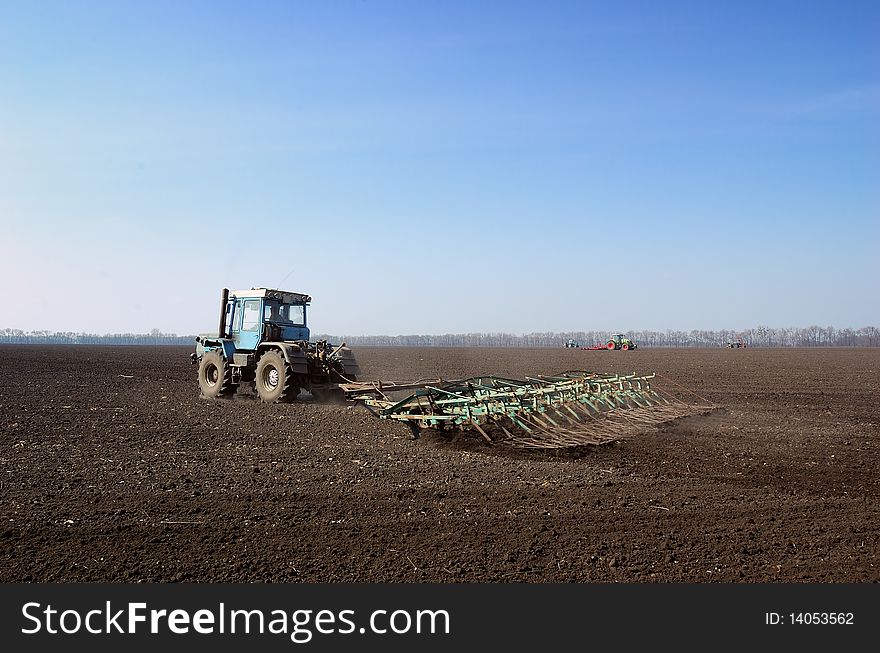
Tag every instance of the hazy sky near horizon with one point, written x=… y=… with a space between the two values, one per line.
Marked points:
x=437 y=167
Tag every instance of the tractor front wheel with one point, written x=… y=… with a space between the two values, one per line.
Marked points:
x=274 y=379
x=215 y=376
x=625 y=348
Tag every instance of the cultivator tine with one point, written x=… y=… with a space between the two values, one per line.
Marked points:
x=506 y=432
x=476 y=425
x=570 y=409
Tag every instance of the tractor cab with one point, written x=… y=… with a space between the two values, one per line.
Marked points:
x=263 y=314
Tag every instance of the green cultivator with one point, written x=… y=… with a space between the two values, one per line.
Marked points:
x=570 y=409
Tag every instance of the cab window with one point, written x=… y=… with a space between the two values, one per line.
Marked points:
x=250 y=319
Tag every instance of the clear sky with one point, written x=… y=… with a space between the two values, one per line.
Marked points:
x=435 y=167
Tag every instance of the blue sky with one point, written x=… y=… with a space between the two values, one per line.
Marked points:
x=434 y=167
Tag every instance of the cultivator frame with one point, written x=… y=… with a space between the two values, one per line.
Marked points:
x=569 y=409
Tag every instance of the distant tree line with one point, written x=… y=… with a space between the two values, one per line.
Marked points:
x=154 y=337
x=762 y=336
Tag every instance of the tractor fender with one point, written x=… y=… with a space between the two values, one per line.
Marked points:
x=292 y=353
x=206 y=344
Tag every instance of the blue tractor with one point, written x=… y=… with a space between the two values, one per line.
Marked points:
x=263 y=339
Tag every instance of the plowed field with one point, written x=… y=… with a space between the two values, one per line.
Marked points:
x=112 y=469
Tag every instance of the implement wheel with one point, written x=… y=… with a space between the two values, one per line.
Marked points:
x=611 y=346
x=274 y=380
x=215 y=376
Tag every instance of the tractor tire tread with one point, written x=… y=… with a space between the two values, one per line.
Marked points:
x=289 y=387
x=226 y=387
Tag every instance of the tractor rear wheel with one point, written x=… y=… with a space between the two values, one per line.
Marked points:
x=611 y=345
x=274 y=380
x=215 y=376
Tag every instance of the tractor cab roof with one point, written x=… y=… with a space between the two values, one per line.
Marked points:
x=283 y=296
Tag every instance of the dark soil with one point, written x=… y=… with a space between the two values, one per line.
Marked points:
x=112 y=469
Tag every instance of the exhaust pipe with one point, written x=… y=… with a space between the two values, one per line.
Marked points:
x=222 y=331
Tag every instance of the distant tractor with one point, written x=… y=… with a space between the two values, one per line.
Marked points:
x=263 y=339
x=620 y=341
x=739 y=343
x=571 y=344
